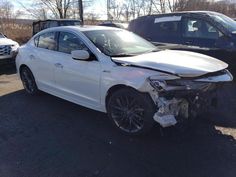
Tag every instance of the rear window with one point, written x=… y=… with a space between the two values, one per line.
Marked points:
x=165 y=31
x=47 y=41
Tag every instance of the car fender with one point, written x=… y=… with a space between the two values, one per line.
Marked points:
x=128 y=76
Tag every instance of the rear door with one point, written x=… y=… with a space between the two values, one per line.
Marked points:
x=42 y=59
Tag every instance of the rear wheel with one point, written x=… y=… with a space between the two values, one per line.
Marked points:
x=131 y=111
x=28 y=81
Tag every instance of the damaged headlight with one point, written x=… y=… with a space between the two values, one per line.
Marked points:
x=14 y=47
x=159 y=82
x=176 y=84
x=156 y=84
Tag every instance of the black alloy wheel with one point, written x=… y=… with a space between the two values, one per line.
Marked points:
x=131 y=111
x=28 y=81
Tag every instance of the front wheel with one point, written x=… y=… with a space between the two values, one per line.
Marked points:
x=131 y=111
x=28 y=81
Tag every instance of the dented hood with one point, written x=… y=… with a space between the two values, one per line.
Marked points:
x=181 y=63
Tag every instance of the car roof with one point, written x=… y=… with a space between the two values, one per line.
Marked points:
x=79 y=28
x=182 y=13
x=92 y=27
x=87 y=27
x=193 y=12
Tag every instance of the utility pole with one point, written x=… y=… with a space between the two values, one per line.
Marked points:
x=81 y=11
x=108 y=9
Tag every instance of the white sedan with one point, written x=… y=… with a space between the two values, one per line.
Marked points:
x=117 y=72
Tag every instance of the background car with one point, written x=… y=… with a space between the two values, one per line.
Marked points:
x=8 y=49
x=44 y=24
x=205 y=32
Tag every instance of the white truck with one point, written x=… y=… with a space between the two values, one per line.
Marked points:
x=8 y=49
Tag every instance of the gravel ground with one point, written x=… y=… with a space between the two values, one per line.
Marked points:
x=47 y=136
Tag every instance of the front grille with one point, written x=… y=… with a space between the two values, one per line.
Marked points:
x=5 y=50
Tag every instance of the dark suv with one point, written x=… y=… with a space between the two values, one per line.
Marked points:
x=44 y=24
x=205 y=32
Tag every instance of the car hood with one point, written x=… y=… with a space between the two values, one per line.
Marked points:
x=181 y=63
x=6 y=41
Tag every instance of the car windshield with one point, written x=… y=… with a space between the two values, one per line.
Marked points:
x=227 y=22
x=119 y=42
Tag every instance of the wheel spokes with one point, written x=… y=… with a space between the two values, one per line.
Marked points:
x=127 y=114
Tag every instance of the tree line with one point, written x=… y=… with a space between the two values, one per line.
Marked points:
x=130 y=9
x=124 y=10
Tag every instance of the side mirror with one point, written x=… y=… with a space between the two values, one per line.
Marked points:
x=80 y=55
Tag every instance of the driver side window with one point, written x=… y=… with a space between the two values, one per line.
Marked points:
x=69 y=42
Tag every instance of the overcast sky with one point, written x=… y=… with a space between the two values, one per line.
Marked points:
x=99 y=6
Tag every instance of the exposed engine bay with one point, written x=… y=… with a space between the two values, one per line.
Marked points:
x=179 y=99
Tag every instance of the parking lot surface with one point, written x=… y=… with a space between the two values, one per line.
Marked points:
x=47 y=136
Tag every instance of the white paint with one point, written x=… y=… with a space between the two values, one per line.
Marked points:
x=80 y=54
x=182 y=63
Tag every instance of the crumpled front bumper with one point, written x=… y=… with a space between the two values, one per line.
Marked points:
x=180 y=101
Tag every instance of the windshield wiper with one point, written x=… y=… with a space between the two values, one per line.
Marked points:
x=130 y=55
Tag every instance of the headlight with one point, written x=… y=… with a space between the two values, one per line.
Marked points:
x=156 y=84
x=176 y=84
x=159 y=82
x=14 y=47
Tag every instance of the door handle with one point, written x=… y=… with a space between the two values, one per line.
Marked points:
x=58 y=65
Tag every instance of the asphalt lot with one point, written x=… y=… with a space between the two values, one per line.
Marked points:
x=47 y=136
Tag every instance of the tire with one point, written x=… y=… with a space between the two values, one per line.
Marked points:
x=131 y=111
x=28 y=81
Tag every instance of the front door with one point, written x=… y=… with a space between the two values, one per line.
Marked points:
x=77 y=80
x=200 y=36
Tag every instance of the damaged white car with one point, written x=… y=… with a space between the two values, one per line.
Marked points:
x=117 y=72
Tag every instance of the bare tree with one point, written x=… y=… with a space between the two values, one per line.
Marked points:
x=9 y=22
x=43 y=9
x=226 y=7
